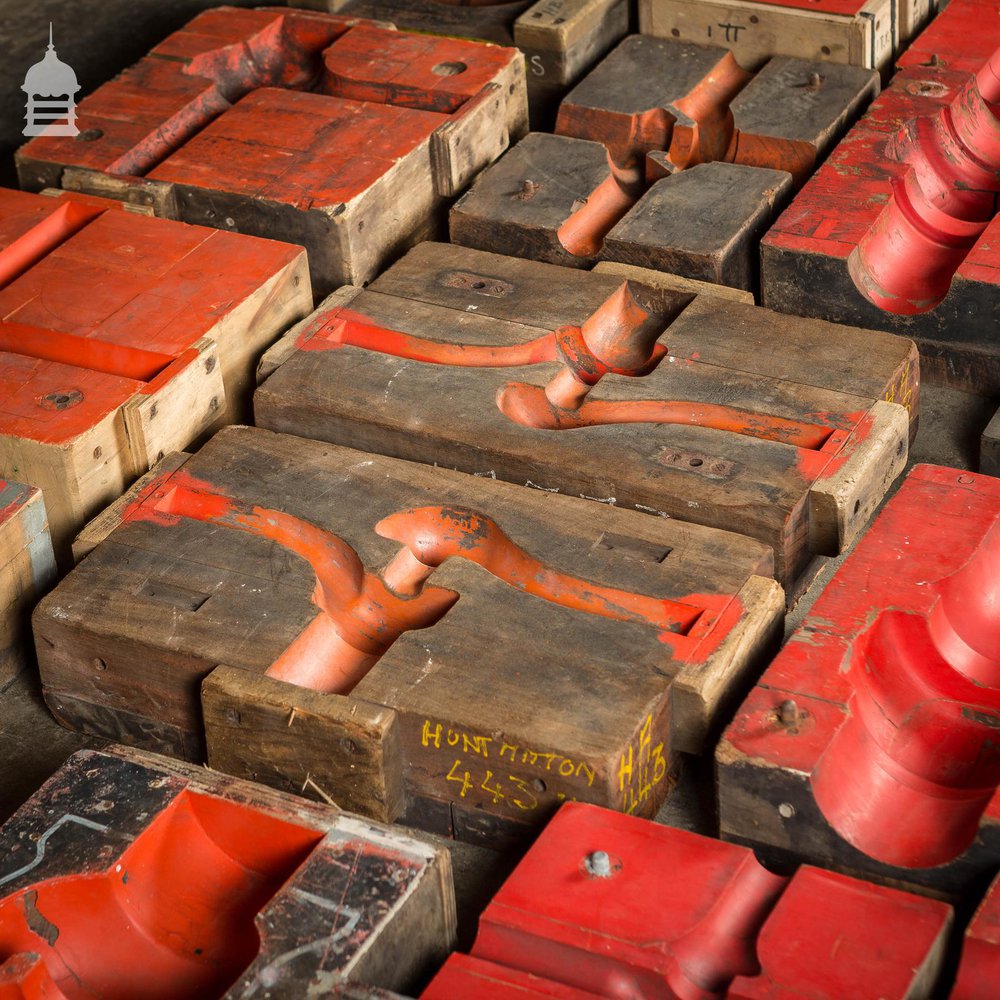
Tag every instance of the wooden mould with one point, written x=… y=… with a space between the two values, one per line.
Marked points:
x=805 y=257
x=864 y=33
x=345 y=136
x=560 y=39
x=360 y=372
x=577 y=920
x=131 y=875
x=979 y=968
x=124 y=337
x=475 y=726
x=27 y=570
x=667 y=155
x=861 y=704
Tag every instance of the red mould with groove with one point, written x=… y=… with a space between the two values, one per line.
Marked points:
x=605 y=905
x=870 y=742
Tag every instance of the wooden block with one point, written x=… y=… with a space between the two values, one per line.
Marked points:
x=338 y=134
x=703 y=223
x=576 y=919
x=863 y=33
x=471 y=726
x=128 y=874
x=719 y=352
x=989 y=448
x=673 y=282
x=653 y=110
x=804 y=258
x=27 y=571
x=124 y=337
x=780 y=760
x=560 y=39
x=979 y=967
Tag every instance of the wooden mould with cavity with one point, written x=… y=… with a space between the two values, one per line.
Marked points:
x=343 y=135
x=124 y=337
x=779 y=428
x=667 y=155
x=130 y=875
x=412 y=643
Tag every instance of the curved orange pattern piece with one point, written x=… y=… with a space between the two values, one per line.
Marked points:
x=435 y=534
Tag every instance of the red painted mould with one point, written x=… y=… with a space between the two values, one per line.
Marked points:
x=98 y=304
x=979 y=968
x=612 y=906
x=895 y=676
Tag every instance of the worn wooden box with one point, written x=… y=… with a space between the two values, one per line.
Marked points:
x=864 y=33
x=131 y=875
x=124 y=337
x=27 y=570
x=476 y=726
x=805 y=257
x=345 y=136
x=560 y=39
x=577 y=919
x=413 y=366
x=793 y=761
x=667 y=155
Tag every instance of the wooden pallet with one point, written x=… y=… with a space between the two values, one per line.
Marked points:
x=769 y=757
x=667 y=155
x=564 y=926
x=128 y=874
x=798 y=500
x=804 y=258
x=864 y=33
x=560 y=39
x=122 y=338
x=345 y=136
x=27 y=571
x=475 y=727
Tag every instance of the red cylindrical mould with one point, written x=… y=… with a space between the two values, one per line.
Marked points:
x=906 y=779
x=941 y=205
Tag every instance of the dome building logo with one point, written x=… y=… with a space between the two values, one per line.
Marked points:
x=51 y=87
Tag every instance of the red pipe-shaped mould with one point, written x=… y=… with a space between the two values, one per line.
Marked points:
x=723 y=944
x=907 y=777
x=941 y=205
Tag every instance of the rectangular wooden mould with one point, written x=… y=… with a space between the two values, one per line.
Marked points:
x=122 y=338
x=755 y=422
x=168 y=635
x=343 y=135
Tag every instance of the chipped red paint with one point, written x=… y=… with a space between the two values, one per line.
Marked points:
x=363 y=613
x=979 y=969
x=940 y=205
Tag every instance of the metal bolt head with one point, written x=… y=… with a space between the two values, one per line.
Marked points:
x=598 y=864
